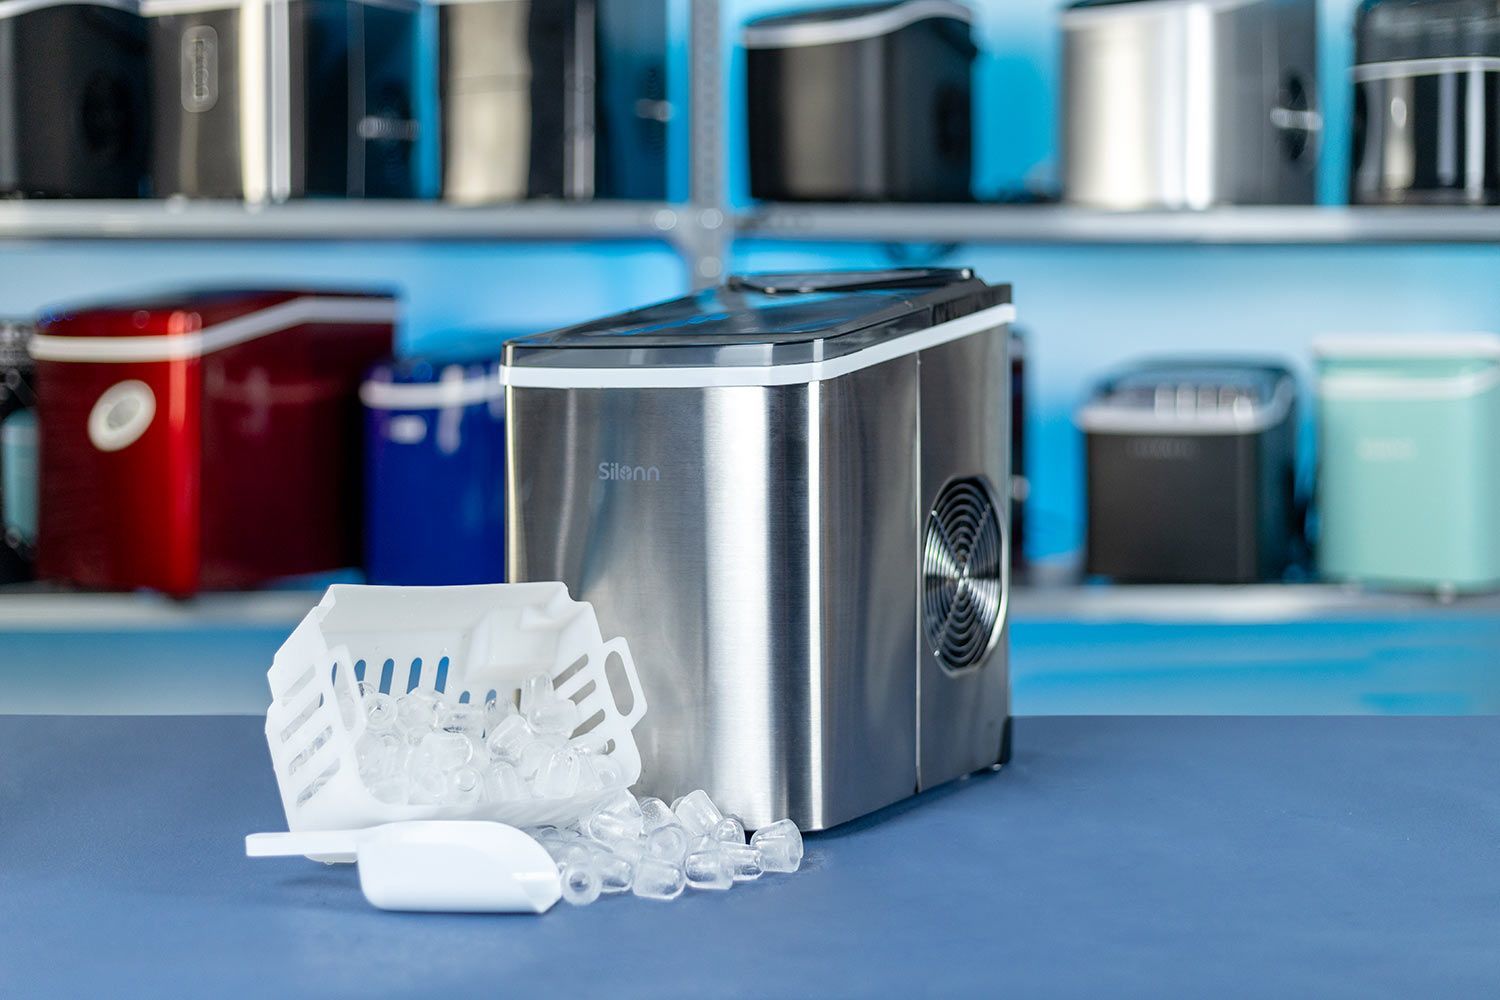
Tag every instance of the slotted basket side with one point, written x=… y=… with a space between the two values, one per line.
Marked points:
x=313 y=723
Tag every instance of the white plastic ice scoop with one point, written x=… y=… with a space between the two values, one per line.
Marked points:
x=453 y=866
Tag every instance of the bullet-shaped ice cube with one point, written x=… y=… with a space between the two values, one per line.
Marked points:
x=707 y=868
x=466 y=719
x=615 y=872
x=554 y=717
x=617 y=817
x=697 y=812
x=580 y=884
x=658 y=879
x=744 y=861
x=380 y=708
x=558 y=777
x=446 y=750
x=465 y=786
x=669 y=843
x=416 y=714
x=780 y=846
x=534 y=690
x=503 y=784
x=533 y=758
x=729 y=830
x=508 y=738
x=655 y=813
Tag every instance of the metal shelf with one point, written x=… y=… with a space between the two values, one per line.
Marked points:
x=1063 y=224
x=34 y=610
x=330 y=220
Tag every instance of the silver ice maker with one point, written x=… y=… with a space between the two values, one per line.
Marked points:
x=788 y=494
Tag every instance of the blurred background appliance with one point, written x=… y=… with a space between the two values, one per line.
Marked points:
x=871 y=102
x=1426 y=101
x=555 y=99
x=788 y=494
x=1191 y=472
x=434 y=473
x=17 y=452
x=1409 y=451
x=73 y=82
x=276 y=99
x=206 y=440
x=1189 y=103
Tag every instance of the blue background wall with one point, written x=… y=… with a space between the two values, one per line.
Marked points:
x=1085 y=308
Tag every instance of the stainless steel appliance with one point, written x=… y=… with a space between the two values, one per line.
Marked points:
x=1192 y=473
x=789 y=494
x=72 y=99
x=559 y=99
x=1189 y=103
x=869 y=102
x=273 y=99
x=1426 y=87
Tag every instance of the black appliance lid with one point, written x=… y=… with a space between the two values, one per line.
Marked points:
x=1398 y=30
x=740 y=331
x=1229 y=396
x=853 y=23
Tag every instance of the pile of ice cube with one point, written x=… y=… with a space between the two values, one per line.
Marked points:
x=421 y=749
x=656 y=851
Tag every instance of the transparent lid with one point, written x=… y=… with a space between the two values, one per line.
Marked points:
x=766 y=320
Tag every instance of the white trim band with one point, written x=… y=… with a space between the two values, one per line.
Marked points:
x=1364 y=385
x=1397 y=69
x=851 y=29
x=1442 y=346
x=430 y=395
x=282 y=316
x=708 y=376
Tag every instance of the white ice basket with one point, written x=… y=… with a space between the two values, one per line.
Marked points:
x=468 y=643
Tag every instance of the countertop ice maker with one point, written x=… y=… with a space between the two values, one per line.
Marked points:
x=789 y=494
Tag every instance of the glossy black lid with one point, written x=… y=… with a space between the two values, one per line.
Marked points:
x=1391 y=30
x=766 y=319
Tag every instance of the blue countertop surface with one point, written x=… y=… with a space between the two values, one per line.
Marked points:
x=1121 y=857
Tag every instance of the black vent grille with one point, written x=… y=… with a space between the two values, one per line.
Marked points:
x=963 y=572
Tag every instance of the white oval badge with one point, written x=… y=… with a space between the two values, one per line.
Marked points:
x=121 y=415
x=408 y=428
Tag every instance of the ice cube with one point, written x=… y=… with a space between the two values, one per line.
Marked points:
x=416 y=714
x=615 y=873
x=615 y=817
x=448 y=751
x=780 y=846
x=658 y=879
x=580 y=884
x=427 y=784
x=534 y=756
x=558 y=777
x=503 y=784
x=743 y=860
x=508 y=738
x=379 y=754
x=466 y=719
x=568 y=852
x=670 y=843
x=534 y=690
x=554 y=717
x=380 y=708
x=496 y=710
x=729 y=830
x=465 y=786
x=697 y=812
x=655 y=813
x=607 y=774
x=707 y=868
x=390 y=789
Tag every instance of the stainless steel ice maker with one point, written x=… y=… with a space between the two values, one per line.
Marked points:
x=787 y=494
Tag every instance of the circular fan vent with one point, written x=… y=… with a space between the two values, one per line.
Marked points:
x=963 y=572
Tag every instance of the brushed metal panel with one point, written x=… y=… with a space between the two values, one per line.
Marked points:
x=754 y=545
x=965 y=432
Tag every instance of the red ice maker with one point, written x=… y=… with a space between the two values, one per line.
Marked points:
x=207 y=441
